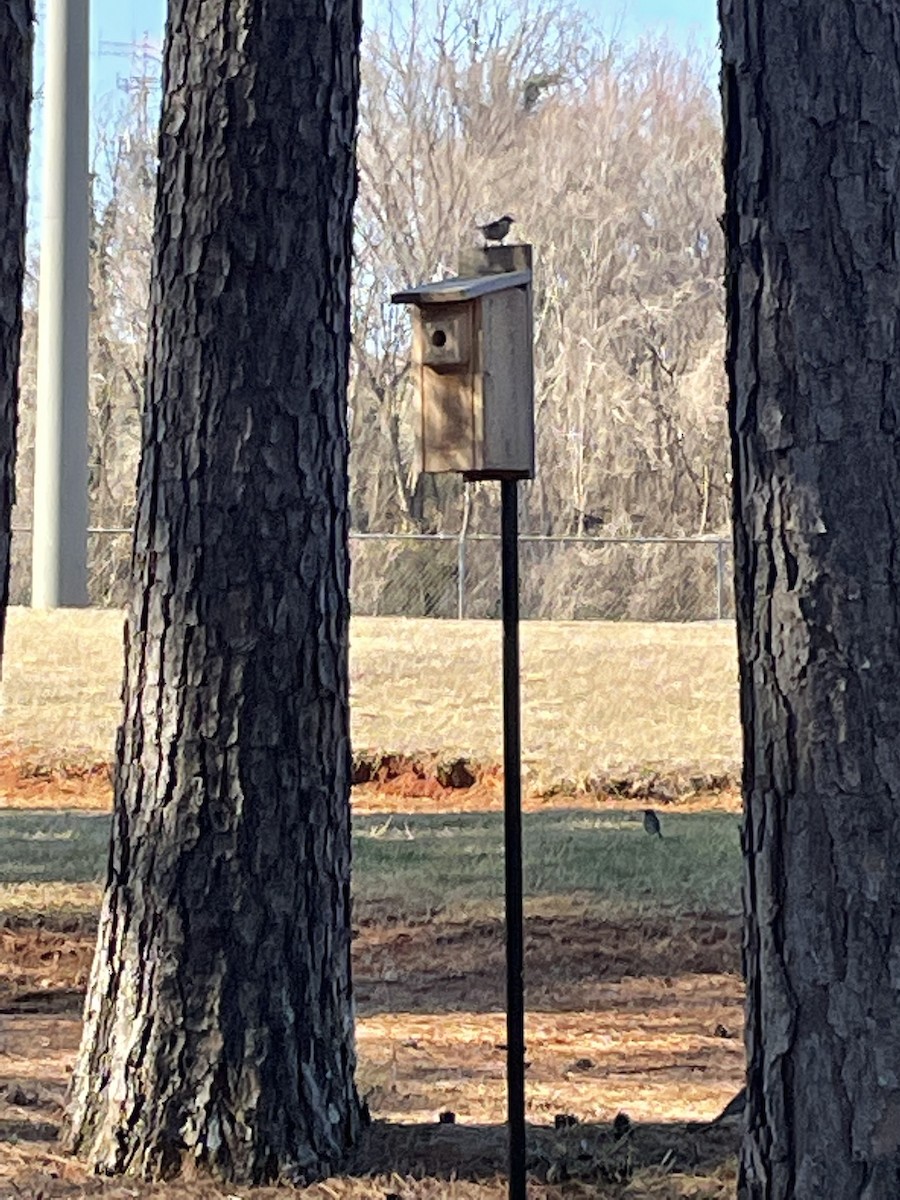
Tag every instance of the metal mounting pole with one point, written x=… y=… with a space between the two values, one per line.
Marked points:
x=512 y=811
x=59 y=538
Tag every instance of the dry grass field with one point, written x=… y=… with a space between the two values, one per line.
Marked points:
x=634 y=995
x=598 y=698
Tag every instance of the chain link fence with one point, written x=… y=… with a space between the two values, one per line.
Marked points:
x=562 y=578
x=454 y=576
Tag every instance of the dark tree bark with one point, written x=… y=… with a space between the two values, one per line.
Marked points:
x=16 y=18
x=219 y=1023
x=811 y=93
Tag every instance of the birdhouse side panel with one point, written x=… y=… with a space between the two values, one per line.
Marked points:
x=505 y=347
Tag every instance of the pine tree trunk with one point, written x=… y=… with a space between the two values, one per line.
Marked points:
x=219 y=1021
x=811 y=94
x=16 y=18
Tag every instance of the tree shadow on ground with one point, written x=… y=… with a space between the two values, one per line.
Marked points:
x=460 y=966
x=45 y=846
x=416 y=861
x=429 y=965
x=30 y=1108
x=587 y=1152
x=27 y=1129
x=44 y=970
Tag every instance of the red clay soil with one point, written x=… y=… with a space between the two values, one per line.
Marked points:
x=385 y=782
x=30 y=781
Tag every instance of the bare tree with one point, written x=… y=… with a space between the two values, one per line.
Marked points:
x=449 y=92
x=16 y=17
x=122 y=216
x=626 y=200
x=219 y=1024
x=609 y=158
x=811 y=95
x=610 y=161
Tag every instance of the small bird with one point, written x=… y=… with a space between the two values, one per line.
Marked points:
x=651 y=823
x=496 y=231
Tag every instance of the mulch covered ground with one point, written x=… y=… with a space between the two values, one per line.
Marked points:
x=644 y=1017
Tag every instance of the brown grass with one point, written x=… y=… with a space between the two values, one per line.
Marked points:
x=597 y=697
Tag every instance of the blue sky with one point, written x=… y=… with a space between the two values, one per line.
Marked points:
x=124 y=21
x=128 y=20
x=683 y=20
x=115 y=24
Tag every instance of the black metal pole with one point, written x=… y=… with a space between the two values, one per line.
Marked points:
x=512 y=810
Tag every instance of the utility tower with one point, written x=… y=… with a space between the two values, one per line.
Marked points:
x=144 y=79
x=59 y=549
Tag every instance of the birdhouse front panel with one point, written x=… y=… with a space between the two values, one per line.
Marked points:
x=447 y=337
x=443 y=345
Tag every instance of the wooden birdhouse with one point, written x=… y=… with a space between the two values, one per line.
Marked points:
x=473 y=365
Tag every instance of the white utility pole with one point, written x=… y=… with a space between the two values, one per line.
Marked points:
x=59 y=548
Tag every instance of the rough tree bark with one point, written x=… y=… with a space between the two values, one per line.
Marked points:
x=811 y=94
x=219 y=1023
x=16 y=17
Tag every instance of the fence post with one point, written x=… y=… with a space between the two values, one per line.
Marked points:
x=461 y=575
x=720 y=579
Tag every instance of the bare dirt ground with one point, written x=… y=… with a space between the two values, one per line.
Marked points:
x=408 y=784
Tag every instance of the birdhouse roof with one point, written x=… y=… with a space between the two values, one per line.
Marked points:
x=452 y=291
